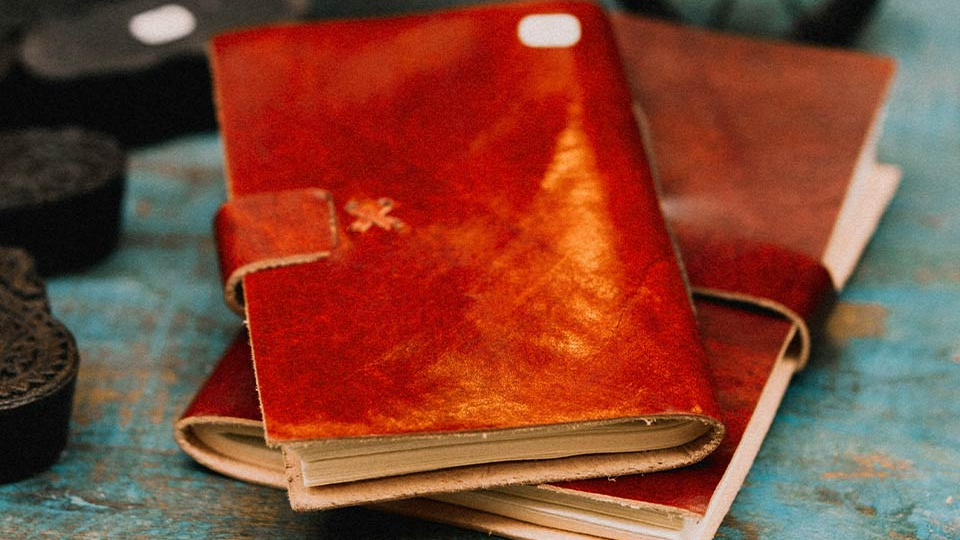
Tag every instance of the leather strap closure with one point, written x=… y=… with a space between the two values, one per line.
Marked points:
x=270 y=230
x=764 y=275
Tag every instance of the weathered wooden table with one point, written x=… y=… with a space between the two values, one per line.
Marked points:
x=866 y=444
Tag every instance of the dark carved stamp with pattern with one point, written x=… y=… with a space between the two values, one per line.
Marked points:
x=38 y=369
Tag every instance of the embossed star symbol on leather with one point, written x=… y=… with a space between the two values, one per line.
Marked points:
x=371 y=212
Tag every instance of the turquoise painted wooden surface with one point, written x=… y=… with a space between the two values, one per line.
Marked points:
x=866 y=444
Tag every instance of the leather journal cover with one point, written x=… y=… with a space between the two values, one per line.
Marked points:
x=447 y=244
x=762 y=269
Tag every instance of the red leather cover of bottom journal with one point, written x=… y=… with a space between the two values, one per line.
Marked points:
x=444 y=227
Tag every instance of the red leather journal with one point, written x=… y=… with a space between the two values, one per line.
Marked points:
x=714 y=141
x=448 y=246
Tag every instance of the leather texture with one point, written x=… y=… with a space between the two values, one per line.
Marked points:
x=769 y=276
x=719 y=254
x=519 y=244
x=755 y=144
x=269 y=230
x=719 y=143
x=228 y=402
x=727 y=266
x=230 y=390
x=743 y=345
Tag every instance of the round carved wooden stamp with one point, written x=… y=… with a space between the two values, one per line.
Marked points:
x=38 y=369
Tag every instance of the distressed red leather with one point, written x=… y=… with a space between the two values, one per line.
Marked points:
x=754 y=140
x=771 y=276
x=727 y=266
x=500 y=258
x=742 y=346
x=272 y=229
x=230 y=390
x=742 y=343
x=756 y=145
x=228 y=401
